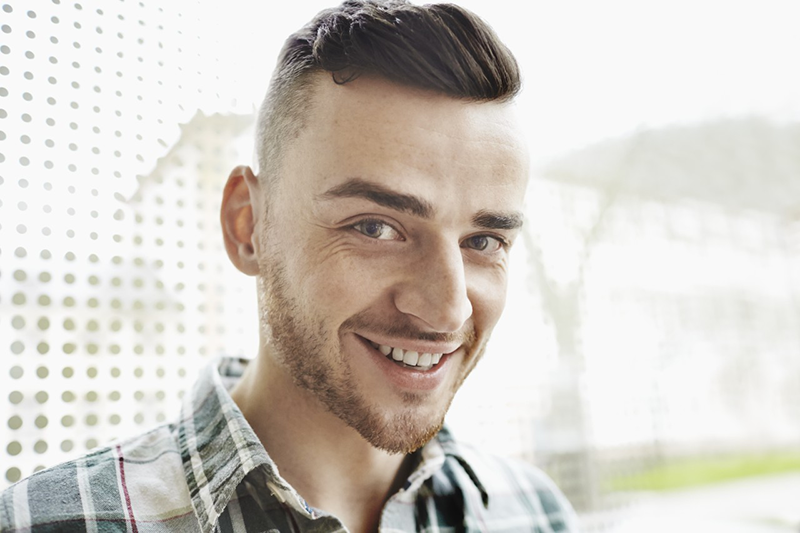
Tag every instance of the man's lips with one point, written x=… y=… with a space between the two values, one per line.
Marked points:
x=407 y=377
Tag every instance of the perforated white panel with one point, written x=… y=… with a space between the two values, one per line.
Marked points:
x=112 y=158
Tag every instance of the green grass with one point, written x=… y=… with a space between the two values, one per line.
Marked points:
x=692 y=472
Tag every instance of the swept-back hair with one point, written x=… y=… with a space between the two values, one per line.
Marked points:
x=440 y=47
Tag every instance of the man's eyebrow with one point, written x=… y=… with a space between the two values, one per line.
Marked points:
x=494 y=220
x=381 y=195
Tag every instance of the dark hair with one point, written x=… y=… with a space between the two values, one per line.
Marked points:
x=439 y=47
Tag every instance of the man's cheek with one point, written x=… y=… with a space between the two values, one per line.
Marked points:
x=488 y=301
x=337 y=287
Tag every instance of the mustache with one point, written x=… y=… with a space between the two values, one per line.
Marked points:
x=404 y=328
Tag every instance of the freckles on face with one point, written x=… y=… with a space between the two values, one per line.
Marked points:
x=332 y=268
x=337 y=270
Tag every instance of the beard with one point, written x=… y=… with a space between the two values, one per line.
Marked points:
x=298 y=341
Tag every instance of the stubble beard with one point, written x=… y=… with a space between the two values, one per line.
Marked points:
x=299 y=346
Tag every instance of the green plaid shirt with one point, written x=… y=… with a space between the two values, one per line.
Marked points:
x=209 y=472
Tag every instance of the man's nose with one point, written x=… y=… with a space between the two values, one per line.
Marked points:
x=434 y=290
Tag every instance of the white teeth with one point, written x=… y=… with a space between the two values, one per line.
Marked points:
x=397 y=354
x=411 y=358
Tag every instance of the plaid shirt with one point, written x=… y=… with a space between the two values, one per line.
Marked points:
x=209 y=472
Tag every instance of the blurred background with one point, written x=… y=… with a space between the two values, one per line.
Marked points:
x=649 y=356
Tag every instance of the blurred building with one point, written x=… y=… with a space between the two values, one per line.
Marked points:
x=669 y=273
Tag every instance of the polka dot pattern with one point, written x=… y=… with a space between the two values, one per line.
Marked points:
x=116 y=135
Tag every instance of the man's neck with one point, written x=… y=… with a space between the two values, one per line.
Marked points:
x=329 y=464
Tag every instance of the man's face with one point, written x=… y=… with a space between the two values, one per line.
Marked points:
x=386 y=239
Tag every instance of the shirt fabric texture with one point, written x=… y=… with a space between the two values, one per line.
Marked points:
x=208 y=472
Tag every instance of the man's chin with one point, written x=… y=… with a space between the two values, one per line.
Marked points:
x=399 y=431
x=403 y=434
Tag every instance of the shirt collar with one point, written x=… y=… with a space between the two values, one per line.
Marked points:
x=219 y=448
x=431 y=459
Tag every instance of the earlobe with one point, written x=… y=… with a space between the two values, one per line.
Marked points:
x=238 y=219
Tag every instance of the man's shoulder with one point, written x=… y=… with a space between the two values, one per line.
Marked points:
x=137 y=478
x=511 y=488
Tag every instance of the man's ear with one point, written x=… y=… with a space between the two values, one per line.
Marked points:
x=238 y=219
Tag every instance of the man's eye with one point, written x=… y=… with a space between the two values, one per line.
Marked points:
x=375 y=229
x=484 y=243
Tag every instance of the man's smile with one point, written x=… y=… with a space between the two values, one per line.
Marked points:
x=404 y=375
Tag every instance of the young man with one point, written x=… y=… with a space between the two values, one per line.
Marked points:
x=378 y=224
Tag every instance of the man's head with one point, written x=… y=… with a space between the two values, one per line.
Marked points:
x=439 y=47
x=390 y=190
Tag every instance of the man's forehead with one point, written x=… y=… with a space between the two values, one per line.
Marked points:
x=371 y=116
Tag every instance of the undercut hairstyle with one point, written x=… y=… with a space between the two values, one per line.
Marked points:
x=438 y=47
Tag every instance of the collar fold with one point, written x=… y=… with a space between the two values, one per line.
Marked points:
x=219 y=448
